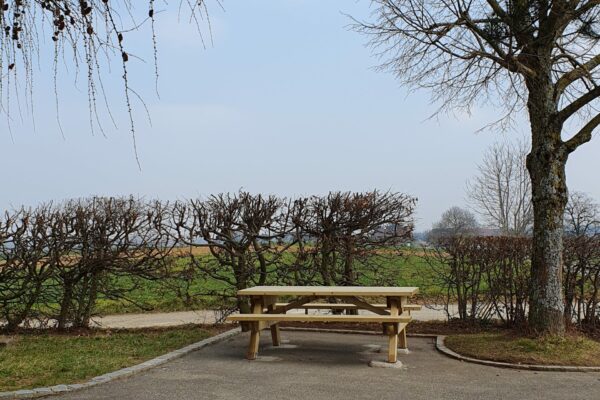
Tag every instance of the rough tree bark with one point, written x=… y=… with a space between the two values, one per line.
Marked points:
x=546 y=164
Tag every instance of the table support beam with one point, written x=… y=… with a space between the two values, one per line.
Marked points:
x=275 y=337
x=294 y=304
x=257 y=307
x=393 y=335
x=366 y=306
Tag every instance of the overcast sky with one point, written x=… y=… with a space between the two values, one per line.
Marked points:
x=285 y=101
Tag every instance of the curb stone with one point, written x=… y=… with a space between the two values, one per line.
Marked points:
x=121 y=373
x=441 y=347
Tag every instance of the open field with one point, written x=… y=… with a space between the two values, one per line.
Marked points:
x=44 y=359
x=408 y=270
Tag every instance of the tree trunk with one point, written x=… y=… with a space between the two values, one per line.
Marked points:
x=546 y=165
x=90 y=302
x=65 y=305
x=546 y=313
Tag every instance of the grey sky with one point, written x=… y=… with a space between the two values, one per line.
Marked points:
x=286 y=101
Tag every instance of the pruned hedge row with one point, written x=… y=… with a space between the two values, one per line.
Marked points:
x=489 y=277
x=57 y=260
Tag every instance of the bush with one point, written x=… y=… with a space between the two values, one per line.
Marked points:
x=56 y=260
x=486 y=276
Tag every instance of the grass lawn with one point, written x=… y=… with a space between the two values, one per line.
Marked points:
x=409 y=270
x=44 y=359
x=572 y=350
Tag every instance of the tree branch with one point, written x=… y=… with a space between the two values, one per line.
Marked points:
x=583 y=136
x=574 y=74
x=578 y=104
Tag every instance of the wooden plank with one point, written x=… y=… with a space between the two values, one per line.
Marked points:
x=402 y=342
x=255 y=331
x=328 y=306
x=275 y=337
x=294 y=304
x=319 y=318
x=363 y=305
x=324 y=291
x=393 y=337
x=343 y=306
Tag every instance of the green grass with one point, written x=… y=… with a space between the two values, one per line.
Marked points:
x=396 y=271
x=508 y=347
x=154 y=296
x=45 y=359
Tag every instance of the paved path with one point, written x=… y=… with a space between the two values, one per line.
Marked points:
x=148 y=320
x=332 y=366
x=208 y=317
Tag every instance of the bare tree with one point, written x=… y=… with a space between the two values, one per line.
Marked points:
x=485 y=276
x=501 y=192
x=244 y=233
x=86 y=34
x=110 y=245
x=538 y=55
x=27 y=253
x=582 y=215
x=455 y=221
x=344 y=230
x=582 y=258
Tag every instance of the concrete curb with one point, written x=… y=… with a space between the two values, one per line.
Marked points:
x=441 y=347
x=122 y=373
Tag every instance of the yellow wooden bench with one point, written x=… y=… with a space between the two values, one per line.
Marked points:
x=267 y=312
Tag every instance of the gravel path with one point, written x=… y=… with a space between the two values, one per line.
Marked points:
x=148 y=320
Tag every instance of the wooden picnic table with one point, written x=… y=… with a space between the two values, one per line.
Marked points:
x=267 y=311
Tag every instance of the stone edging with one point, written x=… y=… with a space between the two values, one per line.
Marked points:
x=441 y=347
x=121 y=373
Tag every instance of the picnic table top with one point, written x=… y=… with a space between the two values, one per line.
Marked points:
x=329 y=291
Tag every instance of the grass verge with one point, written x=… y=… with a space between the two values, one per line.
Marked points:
x=572 y=350
x=43 y=359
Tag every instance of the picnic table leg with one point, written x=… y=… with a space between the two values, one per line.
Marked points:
x=403 y=344
x=254 y=330
x=393 y=335
x=275 y=337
